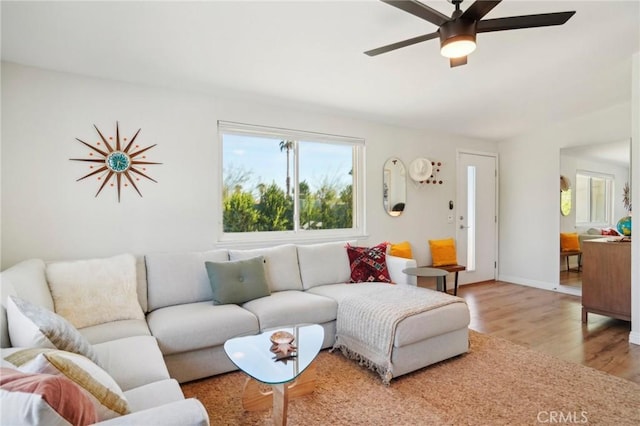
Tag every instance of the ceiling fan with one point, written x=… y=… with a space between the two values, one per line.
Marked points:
x=458 y=33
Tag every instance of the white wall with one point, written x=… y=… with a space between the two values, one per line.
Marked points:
x=529 y=199
x=47 y=214
x=634 y=336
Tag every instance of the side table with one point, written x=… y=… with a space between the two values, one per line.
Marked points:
x=450 y=269
x=424 y=271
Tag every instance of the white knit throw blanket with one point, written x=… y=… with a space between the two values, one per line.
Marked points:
x=366 y=325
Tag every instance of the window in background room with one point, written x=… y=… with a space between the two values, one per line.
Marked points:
x=594 y=199
x=288 y=184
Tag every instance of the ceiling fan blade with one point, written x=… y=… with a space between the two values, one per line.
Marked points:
x=525 y=21
x=398 y=45
x=479 y=9
x=456 y=62
x=420 y=10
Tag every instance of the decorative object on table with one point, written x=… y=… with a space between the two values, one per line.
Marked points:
x=624 y=226
x=115 y=161
x=282 y=345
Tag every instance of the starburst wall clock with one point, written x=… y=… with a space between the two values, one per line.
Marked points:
x=116 y=166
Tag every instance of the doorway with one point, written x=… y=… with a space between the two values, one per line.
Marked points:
x=477 y=218
x=588 y=217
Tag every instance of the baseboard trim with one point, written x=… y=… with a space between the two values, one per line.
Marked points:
x=573 y=291
x=634 y=337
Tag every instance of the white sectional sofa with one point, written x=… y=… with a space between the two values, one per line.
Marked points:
x=182 y=334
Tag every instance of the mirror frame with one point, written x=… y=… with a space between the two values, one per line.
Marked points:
x=565 y=196
x=394 y=187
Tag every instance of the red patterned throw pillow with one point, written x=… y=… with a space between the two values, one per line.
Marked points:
x=368 y=264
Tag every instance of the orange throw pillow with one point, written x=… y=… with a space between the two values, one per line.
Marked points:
x=402 y=249
x=443 y=252
x=569 y=241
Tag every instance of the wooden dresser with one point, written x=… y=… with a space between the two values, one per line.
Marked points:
x=606 y=278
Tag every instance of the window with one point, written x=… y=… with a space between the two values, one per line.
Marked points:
x=594 y=198
x=288 y=184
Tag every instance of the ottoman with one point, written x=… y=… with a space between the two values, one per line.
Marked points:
x=398 y=329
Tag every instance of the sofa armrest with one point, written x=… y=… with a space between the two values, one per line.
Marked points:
x=395 y=265
x=179 y=413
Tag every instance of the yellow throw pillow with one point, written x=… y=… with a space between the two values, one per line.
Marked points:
x=443 y=252
x=402 y=249
x=569 y=241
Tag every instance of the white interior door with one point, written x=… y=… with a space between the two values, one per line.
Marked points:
x=477 y=219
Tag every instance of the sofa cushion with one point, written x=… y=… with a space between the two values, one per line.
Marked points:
x=154 y=394
x=292 y=307
x=34 y=326
x=115 y=330
x=440 y=321
x=6 y=290
x=237 y=281
x=192 y=326
x=281 y=263
x=414 y=328
x=133 y=361
x=43 y=399
x=141 y=283
x=338 y=292
x=325 y=263
x=95 y=291
x=105 y=394
x=368 y=264
x=29 y=281
x=178 y=278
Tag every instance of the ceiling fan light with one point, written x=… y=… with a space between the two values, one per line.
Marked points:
x=458 y=46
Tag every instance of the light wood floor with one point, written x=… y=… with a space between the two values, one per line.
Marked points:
x=571 y=278
x=551 y=322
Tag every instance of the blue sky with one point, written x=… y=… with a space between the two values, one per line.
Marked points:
x=262 y=156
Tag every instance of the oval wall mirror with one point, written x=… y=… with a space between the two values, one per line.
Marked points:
x=394 y=187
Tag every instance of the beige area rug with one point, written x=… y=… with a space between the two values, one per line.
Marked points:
x=496 y=383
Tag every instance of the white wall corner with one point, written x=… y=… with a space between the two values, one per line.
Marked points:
x=634 y=336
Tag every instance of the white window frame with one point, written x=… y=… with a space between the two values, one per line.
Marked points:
x=358 y=230
x=609 y=198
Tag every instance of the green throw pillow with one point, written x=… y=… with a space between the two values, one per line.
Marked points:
x=237 y=281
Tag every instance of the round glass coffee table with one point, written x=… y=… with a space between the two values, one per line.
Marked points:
x=288 y=376
x=424 y=271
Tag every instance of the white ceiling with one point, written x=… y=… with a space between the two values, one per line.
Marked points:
x=310 y=54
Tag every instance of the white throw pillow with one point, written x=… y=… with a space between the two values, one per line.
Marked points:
x=324 y=263
x=95 y=291
x=105 y=394
x=34 y=326
x=281 y=264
